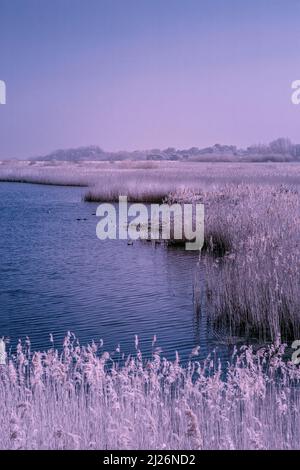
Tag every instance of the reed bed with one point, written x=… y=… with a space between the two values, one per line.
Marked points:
x=81 y=399
x=146 y=181
x=252 y=278
x=156 y=184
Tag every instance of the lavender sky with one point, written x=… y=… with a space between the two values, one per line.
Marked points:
x=128 y=74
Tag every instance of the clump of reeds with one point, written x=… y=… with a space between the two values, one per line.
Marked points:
x=80 y=399
x=253 y=278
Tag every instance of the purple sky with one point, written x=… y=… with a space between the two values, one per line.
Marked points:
x=128 y=74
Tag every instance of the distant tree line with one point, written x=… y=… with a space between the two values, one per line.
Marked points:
x=281 y=149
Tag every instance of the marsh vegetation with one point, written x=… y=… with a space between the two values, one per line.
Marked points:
x=81 y=398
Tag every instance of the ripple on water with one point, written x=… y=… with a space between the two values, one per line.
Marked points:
x=56 y=276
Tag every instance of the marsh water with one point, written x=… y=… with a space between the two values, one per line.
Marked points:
x=56 y=276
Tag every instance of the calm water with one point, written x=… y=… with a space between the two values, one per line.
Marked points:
x=55 y=276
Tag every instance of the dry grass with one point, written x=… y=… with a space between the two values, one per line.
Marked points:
x=147 y=181
x=252 y=279
x=80 y=399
